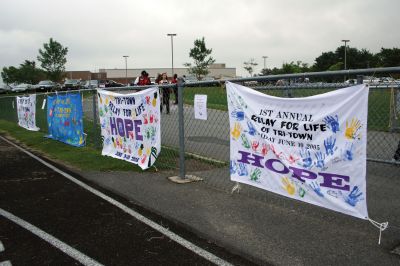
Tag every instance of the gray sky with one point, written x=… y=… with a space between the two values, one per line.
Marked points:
x=99 y=32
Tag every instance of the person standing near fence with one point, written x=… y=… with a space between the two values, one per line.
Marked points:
x=144 y=79
x=165 y=92
x=396 y=156
x=175 y=81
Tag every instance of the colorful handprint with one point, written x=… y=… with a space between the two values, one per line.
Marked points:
x=264 y=149
x=352 y=129
x=332 y=123
x=252 y=130
x=320 y=160
x=255 y=174
x=232 y=167
x=288 y=186
x=237 y=129
x=254 y=145
x=237 y=114
x=242 y=171
x=348 y=152
x=354 y=197
x=275 y=151
x=329 y=144
x=245 y=141
x=306 y=158
x=317 y=189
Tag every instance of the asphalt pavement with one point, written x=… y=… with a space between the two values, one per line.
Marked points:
x=46 y=219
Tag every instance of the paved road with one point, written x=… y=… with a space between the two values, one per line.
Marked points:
x=78 y=220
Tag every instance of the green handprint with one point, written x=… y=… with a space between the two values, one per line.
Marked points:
x=245 y=141
x=255 y=174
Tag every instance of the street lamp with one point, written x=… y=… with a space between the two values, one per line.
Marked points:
x=126 y=68
x=172 y=35
x=345 y=50
x=265 y=57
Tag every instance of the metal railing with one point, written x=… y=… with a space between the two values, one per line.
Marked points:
x=202 y=147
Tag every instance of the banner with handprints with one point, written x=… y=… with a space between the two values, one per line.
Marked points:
x=130 y=125
x=26 y=110
x=65 y=118
x=311 y=149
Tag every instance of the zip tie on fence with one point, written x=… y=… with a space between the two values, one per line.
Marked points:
x=380 y=226
x=236 y=187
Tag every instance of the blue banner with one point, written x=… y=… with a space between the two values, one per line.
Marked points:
x=64 y=119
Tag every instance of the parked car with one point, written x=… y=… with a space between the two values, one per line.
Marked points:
x=72 y=84
x=109 y=83
x=4 y=88
x=21 y=87
x=91 y=84
x=47 y=85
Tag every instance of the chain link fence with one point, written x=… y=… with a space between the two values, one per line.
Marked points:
x=206 y=142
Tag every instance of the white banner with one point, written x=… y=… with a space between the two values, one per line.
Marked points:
x=130 y=125
x=311 y=149
x=26 y=109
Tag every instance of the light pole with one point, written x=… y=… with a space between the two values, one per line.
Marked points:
x=172 y=35
x=265 y=57
x=345 y=50
x=126 y=69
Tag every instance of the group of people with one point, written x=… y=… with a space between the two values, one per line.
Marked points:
x=162 y=79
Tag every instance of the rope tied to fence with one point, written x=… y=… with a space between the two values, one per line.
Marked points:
x=381 y=226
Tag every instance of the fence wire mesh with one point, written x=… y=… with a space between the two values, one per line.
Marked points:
x=207 y=141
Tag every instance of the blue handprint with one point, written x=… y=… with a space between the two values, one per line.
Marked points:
x=233 y=167
x=348 y=152
x=306 y=156
x=332 y=123
x=242 y=171
x=317 y=189
x=238 y=114
x=320 y=160
x=354 y=197
x=329 y=144
x=252 y=129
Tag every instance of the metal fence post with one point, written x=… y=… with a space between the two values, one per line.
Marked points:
x=94 y=99
x=182 y=170
x=360 y=79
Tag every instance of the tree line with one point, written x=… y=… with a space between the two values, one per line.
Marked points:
x=334 y=60
x=52 y=58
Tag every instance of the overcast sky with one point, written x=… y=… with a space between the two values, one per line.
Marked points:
x=99 y=32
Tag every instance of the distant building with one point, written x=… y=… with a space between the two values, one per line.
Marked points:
x=217 y=71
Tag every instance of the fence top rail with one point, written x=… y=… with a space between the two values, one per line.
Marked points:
x=367 y=71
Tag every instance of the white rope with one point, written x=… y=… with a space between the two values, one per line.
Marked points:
x=236 y=187
x=380 y=226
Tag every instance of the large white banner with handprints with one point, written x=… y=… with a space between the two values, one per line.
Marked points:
x=130 y=125
x=26 y=109
x=311 y=149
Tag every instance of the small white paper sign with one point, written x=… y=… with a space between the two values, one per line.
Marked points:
x=200 y=106
x=43 y=104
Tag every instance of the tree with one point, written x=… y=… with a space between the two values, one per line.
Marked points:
x=249 y=66
x=388 y=57
x=53 y=59
x=26 y=73
x=201 y=57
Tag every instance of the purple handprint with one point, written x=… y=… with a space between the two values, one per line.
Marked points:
x=306 y=156
x=329 y=144
x=252 y=130
x=332 y=123
x=238 y=114
x=320 y=160
x=354 y=197
x=242 y=171
x=317 y=189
